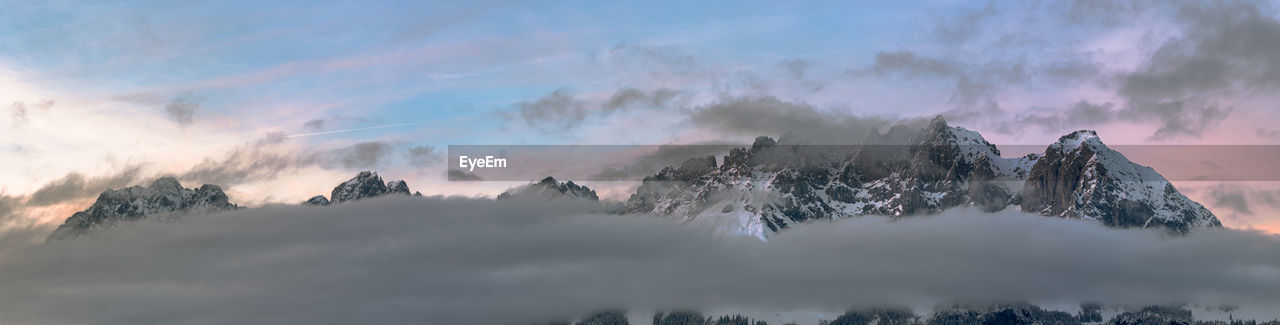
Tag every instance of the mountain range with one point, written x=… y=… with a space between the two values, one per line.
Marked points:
x=774 y=184
x=164 y=198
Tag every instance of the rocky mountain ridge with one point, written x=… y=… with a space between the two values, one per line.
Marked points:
x=775 y=184
x=366 y=184
x=164 y=197
x=1079 y=177
x=550 y=189
x=772 y=185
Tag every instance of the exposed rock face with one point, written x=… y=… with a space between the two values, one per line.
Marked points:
x=775 y=184
x=366 y=184
x=317 y=200
x=165 y=197
x=549 y=188
x=1080 y=177
x=398 y=187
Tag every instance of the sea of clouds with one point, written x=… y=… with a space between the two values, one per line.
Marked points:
x=478 y=261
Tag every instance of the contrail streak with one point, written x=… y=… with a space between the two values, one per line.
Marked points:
x=352 y=130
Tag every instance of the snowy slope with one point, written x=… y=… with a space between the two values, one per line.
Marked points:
x=1081 y=177
x=774 y=184
x=165 y=197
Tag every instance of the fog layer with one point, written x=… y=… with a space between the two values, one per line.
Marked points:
x=471 y=261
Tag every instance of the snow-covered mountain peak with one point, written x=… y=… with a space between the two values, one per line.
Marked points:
x=1080 y=177
x=550 y=188
x=365 y=184
x=947 y=145
x=399 y=187
x=163 y=197
x=1074 y=140
x=942 y=167
x=167 y=184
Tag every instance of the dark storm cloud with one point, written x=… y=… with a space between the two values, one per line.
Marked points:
x=1222 y=51
x=760 y=115
x=1068 y=69
x=799 y=72
x=464 y=261
x=257 y=160
x=975 y=84
x=461 y=175
x=963 y=25
x=631 y=97
x=1244 y=200
x=15 y=226
x=908 y=63
x=558 y=109
x=665 y=155
x=363 y=155
x=8 y=205
x=266 y=159
x=182 y=109
x=1082 y=114
x=770 y=116
x=1226 y=48
x=424 y=156
x=1098 y=12
x=1233 y=200
x=75 y=186
x=562 y=110
x=15 y=229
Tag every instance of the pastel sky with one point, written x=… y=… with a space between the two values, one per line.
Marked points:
x=279 y=101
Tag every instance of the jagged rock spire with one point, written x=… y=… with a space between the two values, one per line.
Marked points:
x=549 y=188
x=364 y=185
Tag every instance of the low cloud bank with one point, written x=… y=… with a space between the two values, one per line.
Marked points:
x=473 y=261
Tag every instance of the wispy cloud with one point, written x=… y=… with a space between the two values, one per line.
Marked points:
x=354 y=129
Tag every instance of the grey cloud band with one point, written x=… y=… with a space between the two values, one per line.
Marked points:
x=635 y=162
